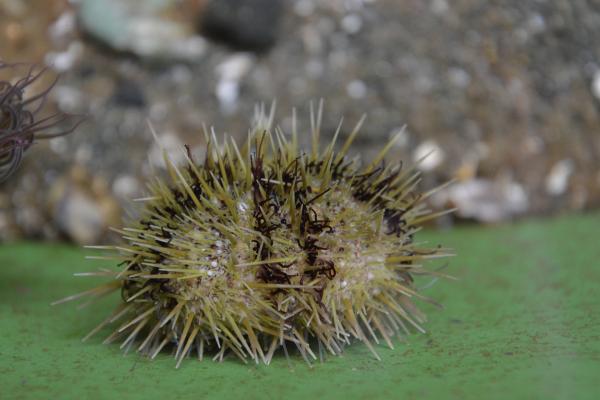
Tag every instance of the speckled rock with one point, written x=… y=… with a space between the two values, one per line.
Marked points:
x=507 y=93
x=144 y=28
x=83 y=207
x=243 y=24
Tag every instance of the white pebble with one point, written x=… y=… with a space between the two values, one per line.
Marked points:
x=63 y=26
x=235 y=67
x=126 y=187
x=59 y=145
x=173 y=146
x=230 y=72
x=429 y=155
x=558 y=177
x=352 y=23
x=304 y=8
x=439 y=7
x=228 y=92
x=459 y=77
x=536 y=23
x=401 y=135
x=356 y=89
x=65 y=60
x=596 y=84
x=485 y=200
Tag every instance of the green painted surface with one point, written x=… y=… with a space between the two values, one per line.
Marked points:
x=523 y=322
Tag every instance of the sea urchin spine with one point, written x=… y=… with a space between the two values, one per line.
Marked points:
x=265 y=246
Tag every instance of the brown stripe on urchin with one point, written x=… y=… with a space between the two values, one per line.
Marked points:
x=267 y=207
x=265 y=245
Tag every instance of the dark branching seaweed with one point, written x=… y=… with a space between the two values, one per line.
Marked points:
x=20 y=120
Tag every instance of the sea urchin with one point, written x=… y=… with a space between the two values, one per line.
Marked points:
x=264 y=246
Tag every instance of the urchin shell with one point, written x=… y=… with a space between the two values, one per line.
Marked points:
x=265 y=246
